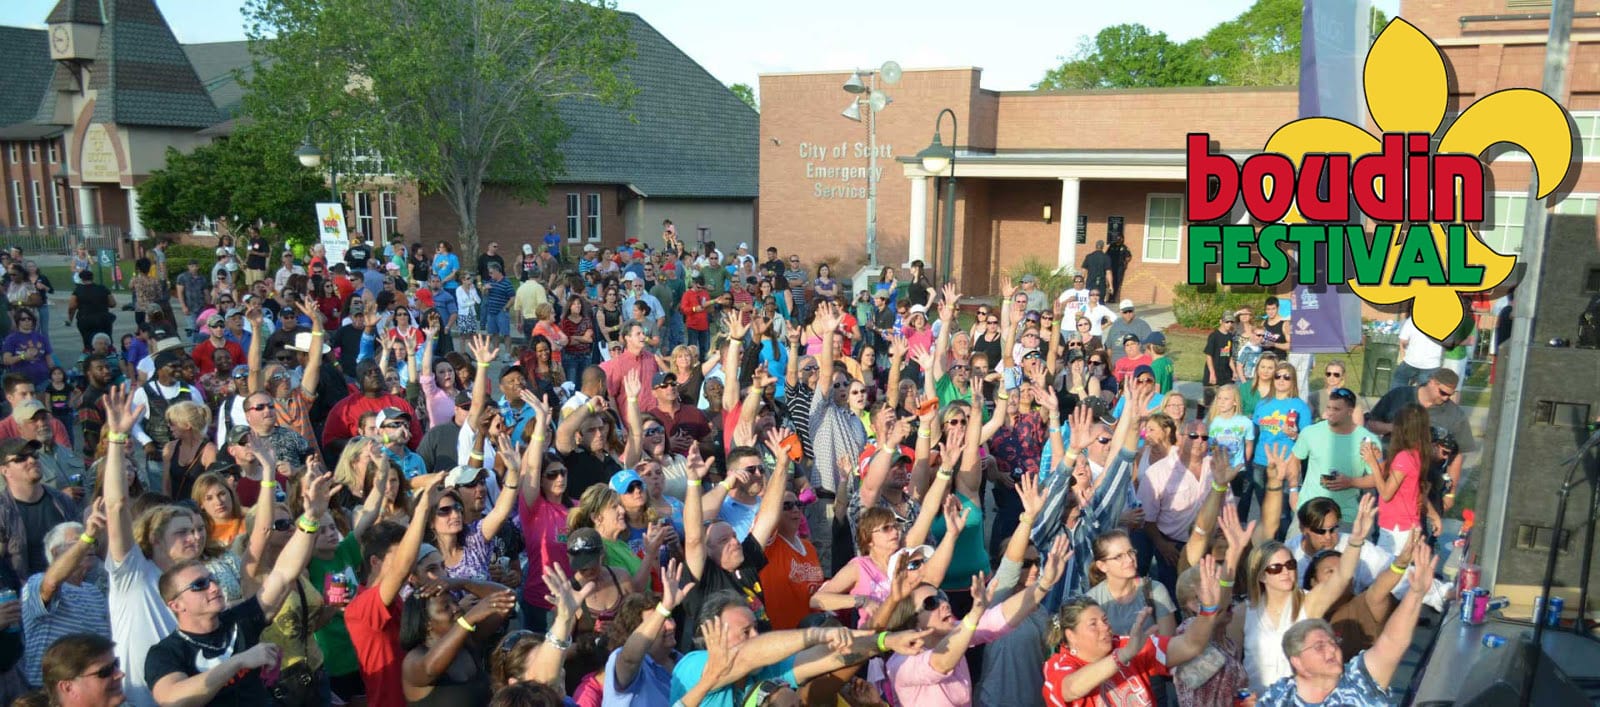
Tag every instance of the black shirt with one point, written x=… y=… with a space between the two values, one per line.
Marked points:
x=256 y=256
x=584 y=469
x=745 y=581
x=1271 y=335
x=357 y=255
x=238 y=630
x=1449 y=416
x=485 y=260
x=348 y=340
x=777 y=268
x=1096 y=265
x=37 y=520
x=1219 y=347
x=94 y=301
x=438 y=445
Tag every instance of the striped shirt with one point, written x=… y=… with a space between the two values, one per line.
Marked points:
x=500 y=293
x=796 y=404
x=75 y=608
x=1107 y=504
x=834 y=432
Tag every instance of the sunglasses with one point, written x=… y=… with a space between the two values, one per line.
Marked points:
x=1197 y=435
x=555 y=473
x=1146 y=381
x=1344 y=394
x=1103 y=440
x=200 y=585
x=282 y=524
x=1282 y=377
x=1279 y=567
x=105 y=673
x=654 y=430
x=994 y=321
x=956 y=422
x=1446 y=392
x=932 y=601
x=1333 y=374
x=809 y=368
x=20 y=457
x=257 y=408
x=1029 y=563
x=1324 y=531
x=217 y=325
x=790 y=505
x=449 y=510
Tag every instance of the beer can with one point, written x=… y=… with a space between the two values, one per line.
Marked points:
x=1493 y=640
x=8 y=596
x=1466 y=606
x=1499 y=603
x=1538 y=610
x=1553 y=613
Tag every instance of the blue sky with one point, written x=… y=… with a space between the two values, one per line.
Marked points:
x=736 y=41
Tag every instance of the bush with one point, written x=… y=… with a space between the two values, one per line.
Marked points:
x=1202 y=306
x=178 y=257
x=1053 y=280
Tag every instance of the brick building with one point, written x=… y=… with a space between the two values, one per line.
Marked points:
x=1030 y=164
x=89 y=106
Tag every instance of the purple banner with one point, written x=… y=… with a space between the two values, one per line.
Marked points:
x=1334 y=38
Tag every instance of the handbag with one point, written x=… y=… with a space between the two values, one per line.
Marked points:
x=297 y=684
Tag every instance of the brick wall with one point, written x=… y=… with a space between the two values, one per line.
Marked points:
x=1141 y=119
x=1440 y=19
x=25 y=170
x=502 y=218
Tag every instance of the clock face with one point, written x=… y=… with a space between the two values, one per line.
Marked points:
x=60 y=39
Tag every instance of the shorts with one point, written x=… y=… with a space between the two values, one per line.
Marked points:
x=499 y=324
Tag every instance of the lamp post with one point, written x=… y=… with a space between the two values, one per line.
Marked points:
x=876 y=101
x=936 y=158
x=311 y=157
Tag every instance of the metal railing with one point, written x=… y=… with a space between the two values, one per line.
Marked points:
x=62 y=240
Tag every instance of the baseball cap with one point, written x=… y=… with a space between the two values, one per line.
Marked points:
x=241 y=371
x=590 y=248
x=239 y=435
x=1130 y=337
x=392 y=413
x=214 y=320
x=461 y=475
x=1141 y=370
x=168 y=358
x=630 y=277
x=919 y=309
x=463 y=399
x=663 y=378
x=1126 y=306
x=908 y=554
x=1029 y=278
x=622 y=480
x=1230 y=316
x=1156 y=338
x=27 y=409
x=527 y=249
x=584 y=548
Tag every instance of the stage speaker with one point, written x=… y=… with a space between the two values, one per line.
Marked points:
x=1559 y=400
x=1496 y=679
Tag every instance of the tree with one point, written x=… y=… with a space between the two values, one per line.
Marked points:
x=247 y=177
x=1128 y=56
x=453 y=94
x=746 y=94
x=1260 y=47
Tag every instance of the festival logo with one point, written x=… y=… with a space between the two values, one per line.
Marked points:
x=1420 y=195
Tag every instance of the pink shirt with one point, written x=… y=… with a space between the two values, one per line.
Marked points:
x=1400 y=512
x=441 y=405
x=544 y=532
x=917 y=683
x=617 y=371
x=870 y=582
x=1171 y=495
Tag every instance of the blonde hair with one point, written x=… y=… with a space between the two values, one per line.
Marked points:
x=1260 y=557
x=152 y=524
x=1229 y=391
x=189 y=415
x=203 y=486
x=1294 y=379
x=595 y=499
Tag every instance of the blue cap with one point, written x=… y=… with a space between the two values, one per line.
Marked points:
x=1156 y=338
x=621 y=480
x=1143 y=370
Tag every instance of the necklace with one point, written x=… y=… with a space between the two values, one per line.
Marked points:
x=232 y=635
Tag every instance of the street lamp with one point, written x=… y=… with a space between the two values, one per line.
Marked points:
x=311 y=158
x=935 y=159
x=876 y=101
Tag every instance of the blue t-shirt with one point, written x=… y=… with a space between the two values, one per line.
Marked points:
x=1153 y=407
x=1356 y=688
x=739 y=516
x=652 y=685
x=1233 y=434
x=686 y=674
x=411 y=464
x=445 y=265
x=1272 y=418
x=552 y=243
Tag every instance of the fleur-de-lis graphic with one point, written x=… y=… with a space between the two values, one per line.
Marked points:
x=1407 y=92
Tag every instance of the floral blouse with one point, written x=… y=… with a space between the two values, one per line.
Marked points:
x=1020 y=444
x=475 y=555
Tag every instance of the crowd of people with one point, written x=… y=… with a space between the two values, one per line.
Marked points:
x=672 y=475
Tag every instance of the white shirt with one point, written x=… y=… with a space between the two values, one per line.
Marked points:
x=1076 y=301
x=142 y=399
x=1421 y=352
x=1374 y=560
x=139 y=619
x=1096 y=314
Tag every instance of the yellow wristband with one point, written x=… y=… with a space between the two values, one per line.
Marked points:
x=483 y=364
x=663 y=611
x=474 y=456
x=1225 y=583
x=117 y=437
x=970 y=624
x=86 y=538
x=463 y=623
x=924 y=433
x=269 y=483
x=317 y=333
x=1397 y=569
x=883 y=641
x=694 y=482
x=1219 y=488
x=727 y=484
x=308 y=525
x=944 y=474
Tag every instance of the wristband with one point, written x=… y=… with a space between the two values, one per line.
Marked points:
x=86 y=538
x=883 y=641
x=1397 y=569
x=1208 y=610
x=1197 y=530
x=663 y=611
x=1294 y=489
x=944 y=474
x=463 y=623
x=316 y=333
x=117 y=437
x=483 y=364
x=1219 y=488
x=1026 y=519
x=474 y=456
x=1279 y=487
x=557 y=643
x=694 y=482
x=1359 y=544
x=307 y=525
x=727 y=483
x=511 y=487
x=269 y=483
x=924 y=433
x=1003 y=396
x=1225 y=583
x=969 y=624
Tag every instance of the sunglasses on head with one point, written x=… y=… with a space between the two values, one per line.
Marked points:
x=282 y=524
x=1344 y=394
x=932 y=601
x=1279 y=567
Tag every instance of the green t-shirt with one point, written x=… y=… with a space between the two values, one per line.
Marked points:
x=716 y=280
x=1462 y=334
x=971 y=556
x=948 y=393
x=620 y=556
x=1329 y=451
x=338 y=653
x=1162 y=368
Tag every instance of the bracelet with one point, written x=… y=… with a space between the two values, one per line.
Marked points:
x=727 y=483
x=1116 y=657
x=883 y=641
x=969 y=624
x=316 y=333
x=307 y=525
x=1197 y=530
x=117 y=437
x=511 y=487
x=463 y=623
x=944 y=474
x=1003 y=396
x=1359 y=544
x=1397 y=569
x=1225 y=583
x=924 y=433
x=474 y=456
x=1294 y=489
x=1210 y=610
x=86 y=538
x=1219 y=488
x=1071 y=455
x=269 y=483
x=693 y=482
x=557 y=643
x=483 y=364
x=1279 y=487
x=663 y=611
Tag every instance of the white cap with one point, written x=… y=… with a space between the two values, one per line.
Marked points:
x=904 y=555
x=1126 y=304
x=744 y=246
x=629 y=277
x=919 y=309
x=527 y=249
x=461 y=476
x=590 y=248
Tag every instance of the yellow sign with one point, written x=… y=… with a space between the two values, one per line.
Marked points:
x=98 y=162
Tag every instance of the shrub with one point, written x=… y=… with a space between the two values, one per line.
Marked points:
x=179 y=255
x=1202 y=306
x=1052 y=279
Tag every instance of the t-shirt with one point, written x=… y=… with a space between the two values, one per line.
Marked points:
x=1327 y=451
x=1234 y=435
x=338 y=653
x=1161 y=367
x=1401 y=512
x=741 y=516
x=1272 y=417
x=1447 y=415
x=1130 y=686
x=256 y=256
x=686 y=674
x=37 y=520
x=1356 y=688
x=74 y=608
x=651 y=686
x=971 y=555
x=918 y=683
x=746 y=581
x=238 y=629
x=1121 y=614
x=1219 y=348
x=375 y=633
x=791 y=576
x=1422 y=352
x=139 y=619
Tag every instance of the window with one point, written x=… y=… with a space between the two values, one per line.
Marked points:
x=1511 y=214
x=368 y=162
x=364 y=214
x=204 y=227
x=58 y=202
x=19 y=215
x=390 y=214
x=33 y=153
x=1588 y=134
x=574 y=218
x=38 y=203
x=1163 y=227
x=54 y=152
x=13 y=153
x=594 y=217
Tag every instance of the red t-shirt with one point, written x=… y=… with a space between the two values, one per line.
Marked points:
x=1130 y=686
x=375 y=633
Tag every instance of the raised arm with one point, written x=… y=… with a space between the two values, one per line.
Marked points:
x=120 y=416
x=424 y=669
x=633 y=451
x=649 y=630
x=1386 y=652
x=947 y=654
x=766 y=522
x=484 y=356
x=506 y=452
x=261 y=526
x=308 y=382
x=1192 y=642
x=735 y=328
x=1282 y=482
x=933 y=499
x=694 y=531
x=897 y=362
x=293 y=559
x=65 y=563
x=1328 y=591
x=1222 y=472
x=252 y=356
x=397 y=568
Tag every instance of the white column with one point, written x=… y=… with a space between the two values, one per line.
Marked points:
x=917 y=246
x=1067 y=249
x=135 y=226
x=86 y=206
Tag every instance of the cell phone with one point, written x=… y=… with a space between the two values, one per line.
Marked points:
x=1012 y=378
x=1329 y=476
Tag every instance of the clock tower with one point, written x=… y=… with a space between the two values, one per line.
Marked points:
x=75 y=30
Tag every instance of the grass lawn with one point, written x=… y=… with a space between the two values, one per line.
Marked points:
x=61 y=276
x=1189 y=363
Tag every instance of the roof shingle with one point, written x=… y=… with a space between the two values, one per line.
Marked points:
x=26 y=55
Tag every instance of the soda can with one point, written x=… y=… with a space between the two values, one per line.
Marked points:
x=1467 y=578
x=1466 y=606
x=8 y=596
x=1538 y=610
x=1499 y=603
x=1480 y=606
x=1493 y=640
x=1553 y=615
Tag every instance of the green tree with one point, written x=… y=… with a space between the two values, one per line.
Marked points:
x=1260 y=47
x=248 y=177
x=1128 y=56
x=453 y=94
x=746 y=94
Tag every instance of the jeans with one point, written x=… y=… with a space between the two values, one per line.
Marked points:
x=535 y=619
x=700 y=339
x=572 y=364
x=1405 y=374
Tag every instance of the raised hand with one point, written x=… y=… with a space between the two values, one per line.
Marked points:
x=1142 y=627
x=774 y=440
x=955 y=514
x=119 y=409
x=497 y=604
x=1046 y=398
x=1210 y=588
x=720 y=656
x=695 y=467
x=1055 y=564
x=982 y=594
x=1365 y=515
x=1238 y=536
x=1277 y=463
x=673 y=592
x=1007 y=289
x=566 y=600
x=631 y=385
x=481 y=351
x=898 y=346
x=1033 y=497
x=1083 y=427
x=317 y=489
x=1423 y=562
x=744 y=434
